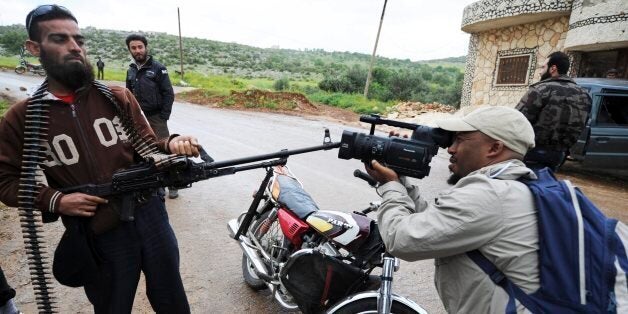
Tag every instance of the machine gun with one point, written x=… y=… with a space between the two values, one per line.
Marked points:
x=132 y=185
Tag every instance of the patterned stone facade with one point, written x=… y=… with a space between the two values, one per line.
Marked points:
x=469 y=71
x=597 y=25
x=536 y=39
x=497 y=13
x=536 y=28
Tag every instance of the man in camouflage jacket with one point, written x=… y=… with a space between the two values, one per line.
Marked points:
x=558 y=110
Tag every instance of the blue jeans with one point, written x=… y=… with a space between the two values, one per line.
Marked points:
x=6 y=292
x=149 y=245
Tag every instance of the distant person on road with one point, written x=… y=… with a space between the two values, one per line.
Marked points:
x=79 y=131
x=150 y=83
x=101 y=69
x=612 y=73
x=487 y=209
x=558 y=109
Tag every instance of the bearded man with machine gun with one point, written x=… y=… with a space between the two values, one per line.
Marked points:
x=79 y=131
x=103 y=168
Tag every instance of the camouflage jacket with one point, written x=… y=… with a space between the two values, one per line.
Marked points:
x=558 y=110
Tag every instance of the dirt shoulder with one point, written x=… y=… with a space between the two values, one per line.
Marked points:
x=295 y=104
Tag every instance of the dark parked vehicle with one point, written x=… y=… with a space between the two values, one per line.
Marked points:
x=604 y=142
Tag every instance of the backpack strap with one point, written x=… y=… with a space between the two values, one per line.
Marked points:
x=581 y=266
x=500 y=279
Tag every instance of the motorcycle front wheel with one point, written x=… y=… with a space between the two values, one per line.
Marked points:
x=369 y=306
x=20 y=70
x=268 y=233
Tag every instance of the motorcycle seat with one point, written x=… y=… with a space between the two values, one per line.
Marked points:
x=292 y=196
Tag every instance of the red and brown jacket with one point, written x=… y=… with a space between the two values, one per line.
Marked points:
x=86 y=143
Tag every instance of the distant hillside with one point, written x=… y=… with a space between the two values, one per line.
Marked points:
x=214 y=57
x=461 y=59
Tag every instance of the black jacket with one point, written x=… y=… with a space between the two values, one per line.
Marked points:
x=151 y=86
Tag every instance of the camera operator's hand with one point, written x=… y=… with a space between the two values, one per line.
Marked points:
x=396 y=133
x=381 y=173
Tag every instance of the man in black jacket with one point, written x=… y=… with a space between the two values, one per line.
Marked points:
x=149 y=82
x=101 y=68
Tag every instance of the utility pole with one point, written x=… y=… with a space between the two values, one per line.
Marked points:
x=180 y=43
x=368 y=76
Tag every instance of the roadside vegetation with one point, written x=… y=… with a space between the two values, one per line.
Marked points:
x=218 y=68
x=4 y=105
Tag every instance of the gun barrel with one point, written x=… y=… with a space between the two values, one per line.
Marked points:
x=279 y=154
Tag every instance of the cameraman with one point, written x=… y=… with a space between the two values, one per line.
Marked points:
x=486 y=209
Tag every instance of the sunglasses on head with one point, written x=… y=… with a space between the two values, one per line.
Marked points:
x=44 y=10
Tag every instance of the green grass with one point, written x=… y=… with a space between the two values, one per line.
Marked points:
x=115 y=75
x=457 y=65
x=4 y=105
x=12 y=62
x=355 y=102
x=214 y=85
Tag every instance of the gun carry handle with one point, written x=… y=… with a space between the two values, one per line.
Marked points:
x=204 y=156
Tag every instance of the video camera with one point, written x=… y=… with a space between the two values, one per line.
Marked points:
x=410 y=157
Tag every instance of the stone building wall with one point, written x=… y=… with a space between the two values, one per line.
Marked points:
x=538 y=39
x=494 y=14
x=598 y=25
x=469 y=71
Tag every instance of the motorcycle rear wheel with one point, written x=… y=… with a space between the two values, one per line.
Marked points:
x=20 y=70
x=269 y=238
x=369 y=306
x=250 y=277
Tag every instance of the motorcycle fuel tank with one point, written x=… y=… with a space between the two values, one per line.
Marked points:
x=348 y=230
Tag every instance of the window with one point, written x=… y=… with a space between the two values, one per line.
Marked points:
x=513 y=70
x=597 y=63
x=613 y=111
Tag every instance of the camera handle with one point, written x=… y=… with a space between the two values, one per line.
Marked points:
x=364 y=176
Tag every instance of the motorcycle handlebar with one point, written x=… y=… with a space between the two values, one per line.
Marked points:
x=372 y=207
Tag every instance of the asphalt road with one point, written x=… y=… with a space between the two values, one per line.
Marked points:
x=210 y=260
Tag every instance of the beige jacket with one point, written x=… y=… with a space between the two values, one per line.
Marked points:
x=495 y=215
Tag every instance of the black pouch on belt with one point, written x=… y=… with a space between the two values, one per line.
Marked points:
x=76 y=259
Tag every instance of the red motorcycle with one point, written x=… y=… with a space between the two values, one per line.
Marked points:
x=27 y=66
x=315 y=260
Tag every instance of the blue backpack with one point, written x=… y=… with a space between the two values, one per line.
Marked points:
x=582 y=255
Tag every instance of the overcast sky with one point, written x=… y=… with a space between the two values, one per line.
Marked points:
x=412 y=29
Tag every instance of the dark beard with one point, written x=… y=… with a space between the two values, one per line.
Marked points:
x=140 y=59
x=453 y=179
x=73 y=75
x=546 y=75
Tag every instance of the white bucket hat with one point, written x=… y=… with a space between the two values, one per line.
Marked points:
x=504 y=124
